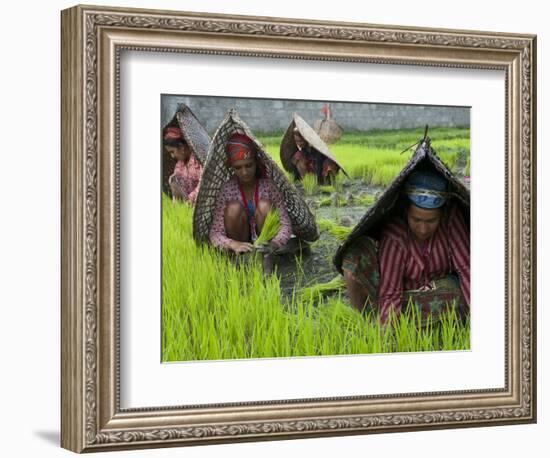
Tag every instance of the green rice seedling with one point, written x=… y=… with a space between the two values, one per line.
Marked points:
x=376 y=333
x=327 y=189
x=271 y=227
x=336 y=200
x=402 y=138
x=426 y=337
x=325 y=202
x=314 y=292
x=325 y=224
x=338 y=182
x=309 y=181
x=340 y=232
x=462 y=336
x=364 y=164
x=384 y=174
x=365 y=201
x=453 y=330
x=342 y=327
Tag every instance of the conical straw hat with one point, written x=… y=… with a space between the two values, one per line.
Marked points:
x=288 y=146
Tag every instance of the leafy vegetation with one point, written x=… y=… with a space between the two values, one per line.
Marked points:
x=215 y=309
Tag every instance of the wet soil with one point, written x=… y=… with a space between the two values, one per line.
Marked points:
x=313 y=264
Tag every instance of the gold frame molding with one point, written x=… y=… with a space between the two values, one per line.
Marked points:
x=92 y=41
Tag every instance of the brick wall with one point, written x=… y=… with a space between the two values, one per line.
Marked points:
x=265 y=115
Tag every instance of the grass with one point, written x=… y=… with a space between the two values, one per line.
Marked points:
x=339 y=232
x=309 y=181
x=333 y=201
x=316 y=291
x=366 y=200
x=327 y=189
x=375 y=156
x=338 y=182
x=213 y=309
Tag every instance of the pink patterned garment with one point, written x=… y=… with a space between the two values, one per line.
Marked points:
x=406 y=266
x=229 y=193
x=328 y=165
x=185 y=180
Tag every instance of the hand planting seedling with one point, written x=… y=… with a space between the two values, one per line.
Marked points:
x=271 y=227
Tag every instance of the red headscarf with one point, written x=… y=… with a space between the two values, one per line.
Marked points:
x=239 y=147
x=173 y=133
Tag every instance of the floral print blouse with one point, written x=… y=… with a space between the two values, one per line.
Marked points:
x=230 y=192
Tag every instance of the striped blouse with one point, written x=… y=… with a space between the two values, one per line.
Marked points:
x=404 y=265
x=230 y=192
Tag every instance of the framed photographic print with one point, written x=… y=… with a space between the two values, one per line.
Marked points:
x=278 y=228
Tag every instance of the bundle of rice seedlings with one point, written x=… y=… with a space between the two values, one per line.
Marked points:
x=338 y=182
x=272 y=226
x=340 y=232
x=365 y=201
x=310 y=184
x=336 y=201
x=327 y=189
x=324 y=224
x=325 y=202
x=314 y=292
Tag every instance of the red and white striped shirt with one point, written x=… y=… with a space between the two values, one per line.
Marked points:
x=404 y=265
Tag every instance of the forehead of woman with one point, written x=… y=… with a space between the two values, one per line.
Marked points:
x=243 y=162
x=423 y=214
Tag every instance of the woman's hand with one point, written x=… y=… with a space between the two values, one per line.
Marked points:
x=268 y=248
x=176 y=191
x=240 y=247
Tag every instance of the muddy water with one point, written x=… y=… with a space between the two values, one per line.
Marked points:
x=314 y=264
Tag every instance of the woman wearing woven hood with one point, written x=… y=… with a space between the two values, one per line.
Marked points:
x=184 y=181
x=245 y=200
x=307 y=159
x=423 y=254
x=303 y=152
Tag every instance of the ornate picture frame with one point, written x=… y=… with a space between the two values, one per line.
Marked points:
x=93 y=39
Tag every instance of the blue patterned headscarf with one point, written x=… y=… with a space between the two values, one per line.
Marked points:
x=426 y=190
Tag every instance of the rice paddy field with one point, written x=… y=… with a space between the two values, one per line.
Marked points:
x=215 y=308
